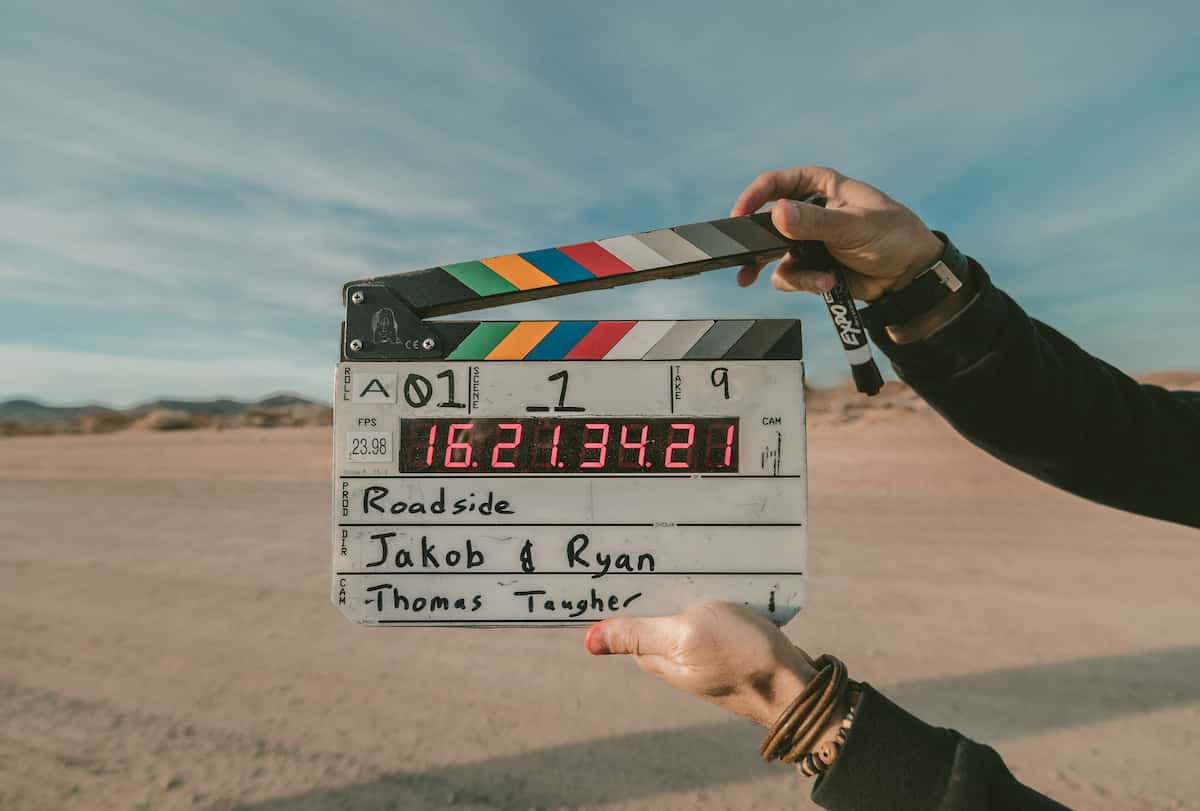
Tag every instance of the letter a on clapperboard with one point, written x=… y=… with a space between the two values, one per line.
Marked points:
x=376 y=385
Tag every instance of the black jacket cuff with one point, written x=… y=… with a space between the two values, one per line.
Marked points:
x=888 y=753
x=959 y=344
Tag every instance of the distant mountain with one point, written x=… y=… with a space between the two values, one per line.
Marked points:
x=33 y=411
x=210 y=407
x=285 y=401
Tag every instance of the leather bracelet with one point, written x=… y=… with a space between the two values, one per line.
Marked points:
x=794 y=736
x=944 y=278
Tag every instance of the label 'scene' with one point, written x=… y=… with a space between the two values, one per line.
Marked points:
x=516 y=547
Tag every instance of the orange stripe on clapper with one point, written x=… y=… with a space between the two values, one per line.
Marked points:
x=519 y=272
x=524 y=337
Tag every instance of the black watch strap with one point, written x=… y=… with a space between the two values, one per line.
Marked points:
x=945 y=278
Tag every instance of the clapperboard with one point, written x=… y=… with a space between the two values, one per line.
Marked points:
x=548 y=473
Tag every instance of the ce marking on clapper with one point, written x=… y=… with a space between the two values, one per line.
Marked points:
x=556 y=472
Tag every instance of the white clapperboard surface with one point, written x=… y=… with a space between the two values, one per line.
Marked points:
x=550 y=473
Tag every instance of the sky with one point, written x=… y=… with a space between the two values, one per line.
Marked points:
x=184 y=187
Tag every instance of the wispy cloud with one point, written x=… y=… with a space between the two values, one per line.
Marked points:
x=181 y=186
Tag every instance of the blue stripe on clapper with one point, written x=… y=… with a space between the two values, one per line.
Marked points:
x=557 y=265
x=560 y=340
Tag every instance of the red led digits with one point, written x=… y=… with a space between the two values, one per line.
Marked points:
x=600 y=445
x=720 y=441
x=432 y=446
x=550 y=449
x=546 y=445
x=689 y=429
x=639 y=446
x=497 y=463
x=453 y=445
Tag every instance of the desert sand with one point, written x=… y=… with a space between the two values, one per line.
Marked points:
x=166 y=641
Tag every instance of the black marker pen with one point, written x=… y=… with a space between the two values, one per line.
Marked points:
x=840 y=303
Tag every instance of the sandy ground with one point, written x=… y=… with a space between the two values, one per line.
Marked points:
x=166 y=642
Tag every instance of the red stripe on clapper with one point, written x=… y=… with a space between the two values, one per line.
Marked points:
x=599 y=340
x=596 y=259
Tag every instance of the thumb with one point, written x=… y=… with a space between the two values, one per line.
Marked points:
x=636 y=635
x=796 y=220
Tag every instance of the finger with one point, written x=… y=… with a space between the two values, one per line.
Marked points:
x=807 y=221
x=748 y=274
x=795 y=182
x=790 y=274
x=637 y=635
x=792 y=278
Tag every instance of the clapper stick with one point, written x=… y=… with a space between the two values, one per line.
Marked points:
x=409 y=299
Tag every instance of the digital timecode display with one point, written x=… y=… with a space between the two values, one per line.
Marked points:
x=570 y=445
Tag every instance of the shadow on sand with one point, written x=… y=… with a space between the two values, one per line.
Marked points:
x=991 y=707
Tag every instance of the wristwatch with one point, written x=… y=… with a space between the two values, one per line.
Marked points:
x=945 y=278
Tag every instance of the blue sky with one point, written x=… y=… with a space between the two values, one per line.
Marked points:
x=184 y=187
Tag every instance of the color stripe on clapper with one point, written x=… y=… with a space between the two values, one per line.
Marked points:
x=559 y=342
x=480 y=278
x=524 y=337
x=468 y=285
x=481 y=340
x=600 y=340
x=518 y=272
x=557 y=265
x=736 y=339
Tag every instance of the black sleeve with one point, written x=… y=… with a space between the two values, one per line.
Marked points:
x=892 y=760
x=1032 y=398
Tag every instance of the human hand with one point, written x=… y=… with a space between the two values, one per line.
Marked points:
x=724 y=653
x=881 y=242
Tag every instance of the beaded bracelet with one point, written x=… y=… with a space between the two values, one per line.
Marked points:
x=818 y=762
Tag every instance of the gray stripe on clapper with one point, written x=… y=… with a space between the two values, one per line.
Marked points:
x=639 y=340
x=749 y=233
x=717 y=341
x=764 y=336
x=633 y=252
x=710 y=239
x=678 y=341
x=671 y=245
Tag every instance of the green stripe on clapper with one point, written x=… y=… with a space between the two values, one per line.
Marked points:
x=483 y=339
x=480 y=278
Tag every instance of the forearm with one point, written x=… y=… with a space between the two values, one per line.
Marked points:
x=1031 y=397
x=893 y=760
